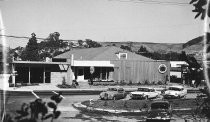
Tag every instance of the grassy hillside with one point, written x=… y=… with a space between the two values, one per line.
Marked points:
x=194 y=46
x=151 y=47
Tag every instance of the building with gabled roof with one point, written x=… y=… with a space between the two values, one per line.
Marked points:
x=102 y=64
x=114 y=64
x=101 y=54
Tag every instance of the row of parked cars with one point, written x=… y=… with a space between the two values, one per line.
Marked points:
x=159 y=110
x=175 y=91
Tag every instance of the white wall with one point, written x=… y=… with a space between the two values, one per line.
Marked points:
x=57 y=77
x=177 y=63
x=178 y=74
x=4 y=83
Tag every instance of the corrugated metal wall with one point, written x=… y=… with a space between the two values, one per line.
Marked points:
x=140 y=71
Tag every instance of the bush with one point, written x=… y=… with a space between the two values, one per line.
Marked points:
x=130 y=82
x=139 y=83
x=122 y=82
x=160 y=83
x=65 y=86
x=11 y=84
x=146 y=82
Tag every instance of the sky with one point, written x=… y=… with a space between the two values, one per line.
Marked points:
x=100 y=20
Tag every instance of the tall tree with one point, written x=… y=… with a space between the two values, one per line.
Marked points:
x=31 y=51
x=92 y=44
x=80 y=42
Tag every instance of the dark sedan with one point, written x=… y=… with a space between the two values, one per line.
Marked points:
x=160 y=111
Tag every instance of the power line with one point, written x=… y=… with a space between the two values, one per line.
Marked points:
x=25 y=37
x=154 y=2
x=160 y=2
x=11 y=36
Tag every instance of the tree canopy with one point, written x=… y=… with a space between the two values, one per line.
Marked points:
x=31 y=52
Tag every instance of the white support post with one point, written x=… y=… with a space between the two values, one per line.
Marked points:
x=13 y=76
x=29 y=74
x=44 y=75
x=69 y=75
x=106 y=73
x=101 y=73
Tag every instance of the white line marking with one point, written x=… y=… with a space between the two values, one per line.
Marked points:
x=11 y=102
x=57 y=93
x=35 y=94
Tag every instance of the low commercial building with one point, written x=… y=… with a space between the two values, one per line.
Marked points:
x=115 y=64
x=103 y=64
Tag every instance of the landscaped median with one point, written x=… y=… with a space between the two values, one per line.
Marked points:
x=128 y=107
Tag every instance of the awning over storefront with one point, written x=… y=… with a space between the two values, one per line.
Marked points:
x=92 y=63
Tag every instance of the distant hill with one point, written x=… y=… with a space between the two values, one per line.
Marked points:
x=151 y=47
x=194 y=46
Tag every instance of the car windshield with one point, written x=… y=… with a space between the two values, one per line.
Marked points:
x=112 y=89
x=159 y=105
x=175 y=89
x=146 y=90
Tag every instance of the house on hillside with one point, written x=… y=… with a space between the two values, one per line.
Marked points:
x=114 y=64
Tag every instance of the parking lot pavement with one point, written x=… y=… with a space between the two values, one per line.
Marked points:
x=44 y=88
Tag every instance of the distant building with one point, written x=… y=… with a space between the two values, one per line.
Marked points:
x=176 y=68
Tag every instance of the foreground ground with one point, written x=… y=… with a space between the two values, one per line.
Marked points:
x=70 y=114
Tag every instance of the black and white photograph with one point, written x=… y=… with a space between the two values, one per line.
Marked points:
x=104 y=60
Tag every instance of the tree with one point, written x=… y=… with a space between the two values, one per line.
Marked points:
x=80 y=42
x=125 y=47
x=130 y=45
x=142 y=49
x=52 y=45
x=92 y=44
x=31 y=51
x=200 y=8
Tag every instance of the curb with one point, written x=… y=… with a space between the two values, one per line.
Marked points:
x=82 y=107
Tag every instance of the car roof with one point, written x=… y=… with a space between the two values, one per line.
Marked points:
x=176 y=86
x=146 y=87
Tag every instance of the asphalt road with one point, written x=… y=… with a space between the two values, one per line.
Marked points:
x=70 y=114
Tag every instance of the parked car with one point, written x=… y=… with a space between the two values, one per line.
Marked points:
x=113 y=94
x=159 y=111
x=175 y=92
x=144 y=93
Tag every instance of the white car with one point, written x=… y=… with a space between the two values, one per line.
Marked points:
x=175 y=92
x=144 y=93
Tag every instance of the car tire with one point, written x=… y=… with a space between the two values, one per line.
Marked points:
x=105 y=96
